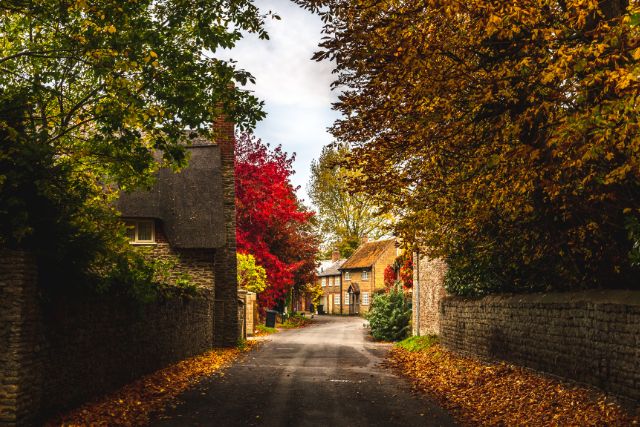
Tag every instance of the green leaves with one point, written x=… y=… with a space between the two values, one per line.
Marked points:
x=389 y=316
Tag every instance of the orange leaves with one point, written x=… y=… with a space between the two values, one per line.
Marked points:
x=133 y=404
x=499 y=394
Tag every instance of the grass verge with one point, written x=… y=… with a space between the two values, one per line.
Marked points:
x=417 y=343
x=480 y=393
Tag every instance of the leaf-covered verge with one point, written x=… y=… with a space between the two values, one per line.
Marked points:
x=480 y=393
x=135 y=403
x=296 y=321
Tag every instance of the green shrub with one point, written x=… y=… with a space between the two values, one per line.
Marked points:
x=418 y=343
x=389 y=316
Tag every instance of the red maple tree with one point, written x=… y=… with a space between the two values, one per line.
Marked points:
x=272 y=224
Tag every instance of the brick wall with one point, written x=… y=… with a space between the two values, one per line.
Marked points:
x=428 y=279
x=592 y=337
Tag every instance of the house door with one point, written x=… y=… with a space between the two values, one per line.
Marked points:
x=354 y=303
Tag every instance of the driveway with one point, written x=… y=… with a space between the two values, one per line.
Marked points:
x=327 y=374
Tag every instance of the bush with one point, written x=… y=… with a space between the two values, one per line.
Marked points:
x=389 y=316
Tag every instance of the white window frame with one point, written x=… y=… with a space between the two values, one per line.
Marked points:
x=324 y=282
x=365 y=298
x=347 y=276
x=346 y=298
x=135 y=223
x=364 y=275
x=336 y=299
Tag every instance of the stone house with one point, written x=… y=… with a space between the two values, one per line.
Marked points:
x=330 y=279
x=57 y=353
x=363 y=274
x=188 y=219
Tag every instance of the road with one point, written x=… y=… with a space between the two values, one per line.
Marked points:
x=327 y=374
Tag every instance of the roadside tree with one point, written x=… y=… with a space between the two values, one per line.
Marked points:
x=505 y=135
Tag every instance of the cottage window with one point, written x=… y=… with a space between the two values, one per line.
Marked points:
x=346 y=298
x=347 y=275
x=365 y=298
x=365 y=275
x=336 y=299
x=324 y=281
x=141 y=231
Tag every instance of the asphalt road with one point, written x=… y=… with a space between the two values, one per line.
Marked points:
x=327 y=374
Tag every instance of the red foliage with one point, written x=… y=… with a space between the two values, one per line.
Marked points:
x=406 y=271
x=271 y=223
x=389 y=276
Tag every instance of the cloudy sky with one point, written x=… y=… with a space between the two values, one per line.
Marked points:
x=296 y=90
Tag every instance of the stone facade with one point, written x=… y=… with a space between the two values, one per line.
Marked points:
x=591 y=337
x=374 y=265
x=428 y=292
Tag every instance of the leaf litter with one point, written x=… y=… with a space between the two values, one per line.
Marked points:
x=480 y=393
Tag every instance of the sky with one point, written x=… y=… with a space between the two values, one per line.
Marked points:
x=295 y=89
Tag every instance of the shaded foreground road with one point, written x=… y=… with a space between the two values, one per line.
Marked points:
x=323 y=375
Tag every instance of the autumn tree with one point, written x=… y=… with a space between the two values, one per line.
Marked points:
x=504 y=133
x=251 y=275
x=272 y=225
x=344 y=215
x=89 y=91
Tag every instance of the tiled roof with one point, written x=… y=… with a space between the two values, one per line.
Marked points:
x=367 y=254
x=333 y=269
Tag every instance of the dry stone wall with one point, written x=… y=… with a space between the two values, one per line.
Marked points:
x=591 y=337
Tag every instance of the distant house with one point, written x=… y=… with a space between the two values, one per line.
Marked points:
x=329 y=277
x=190 y=217
x=363 y=274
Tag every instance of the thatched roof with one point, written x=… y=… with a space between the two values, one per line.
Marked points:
x=367 y=254
x=189 y=203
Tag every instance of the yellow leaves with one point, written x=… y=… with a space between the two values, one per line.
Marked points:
x=500 y=394
x=110 y=29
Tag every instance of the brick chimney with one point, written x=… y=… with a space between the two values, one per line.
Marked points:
x=335 y=255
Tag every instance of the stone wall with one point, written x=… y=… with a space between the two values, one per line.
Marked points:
x=55 y=354
x=20 y=338
x=591 y=337
x=96 y=346
x=428 y=279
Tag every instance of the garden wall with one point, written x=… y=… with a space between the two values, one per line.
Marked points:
x=591 y=337
x=58 y=353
